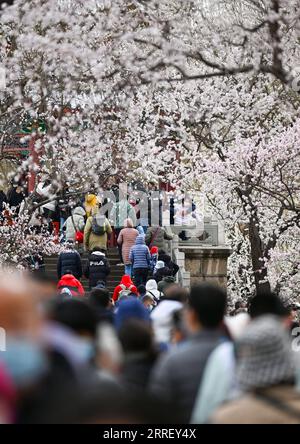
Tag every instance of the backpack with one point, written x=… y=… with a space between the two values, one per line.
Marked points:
x=126 y=291
x=98 y=229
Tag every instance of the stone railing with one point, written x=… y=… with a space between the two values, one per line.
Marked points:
x=203 y=257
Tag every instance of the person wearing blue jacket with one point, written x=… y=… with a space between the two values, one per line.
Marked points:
x=141 y=261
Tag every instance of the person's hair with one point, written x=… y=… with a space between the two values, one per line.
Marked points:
x=141 y=289
x=136 y=336
x=75 y=314
x=175 y=292
x=128 y=223
x=266 y=303
x=147 y=298
x=99 y=298
x=209 y=303
x=69 y=272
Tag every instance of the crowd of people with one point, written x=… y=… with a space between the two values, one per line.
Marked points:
x=148 y=352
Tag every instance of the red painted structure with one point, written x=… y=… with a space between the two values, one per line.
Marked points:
x=17 y=147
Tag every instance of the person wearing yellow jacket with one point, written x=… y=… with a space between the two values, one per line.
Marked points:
x=90 y=204
x=96 y=231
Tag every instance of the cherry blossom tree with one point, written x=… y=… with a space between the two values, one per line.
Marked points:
x=201 y=93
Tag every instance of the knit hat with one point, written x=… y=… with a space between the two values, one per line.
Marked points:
x=264 y=355
x=130 y=308
x=154 y=250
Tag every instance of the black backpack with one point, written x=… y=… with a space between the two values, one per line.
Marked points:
x=98 y=225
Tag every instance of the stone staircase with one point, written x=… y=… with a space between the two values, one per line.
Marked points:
x=113 y=279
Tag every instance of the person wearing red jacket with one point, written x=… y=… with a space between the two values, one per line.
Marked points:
x=126 y=285
x=69 y=282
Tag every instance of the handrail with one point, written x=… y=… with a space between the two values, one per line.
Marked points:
x=183 y=277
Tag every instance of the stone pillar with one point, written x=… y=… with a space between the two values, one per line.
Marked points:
x=207 y=263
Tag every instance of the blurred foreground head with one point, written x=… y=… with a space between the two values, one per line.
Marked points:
x=20 y=320
x=264 y=355
x=207 y=306
x=267 y=303
x=19 y=312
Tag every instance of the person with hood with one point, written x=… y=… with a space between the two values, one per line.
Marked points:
x=91 y=203
x=151 y=290
x=69 y=282
x=74 y=223
x=266 y=375
x=69 y=260
x=125 y=287
x=163 y=256
x=126 y=240
x=96 y=232
x=97 y=268
x=161 y=271
x=157 y=236
x=154 y=258
x=140 y=258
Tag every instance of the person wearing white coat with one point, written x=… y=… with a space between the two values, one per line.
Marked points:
x=75 y=223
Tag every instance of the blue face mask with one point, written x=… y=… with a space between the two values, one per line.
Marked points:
x=85 y=349
x=24 y=360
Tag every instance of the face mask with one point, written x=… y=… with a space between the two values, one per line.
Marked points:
x=24 y=360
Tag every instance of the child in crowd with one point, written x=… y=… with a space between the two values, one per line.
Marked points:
x=153 y=259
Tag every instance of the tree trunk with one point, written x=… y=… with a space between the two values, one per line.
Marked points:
x=257 y=255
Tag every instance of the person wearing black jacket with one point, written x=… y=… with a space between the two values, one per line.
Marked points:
x=97 y=268
x=69 y=262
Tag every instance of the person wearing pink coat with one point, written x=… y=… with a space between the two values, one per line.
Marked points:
x=126 y=239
